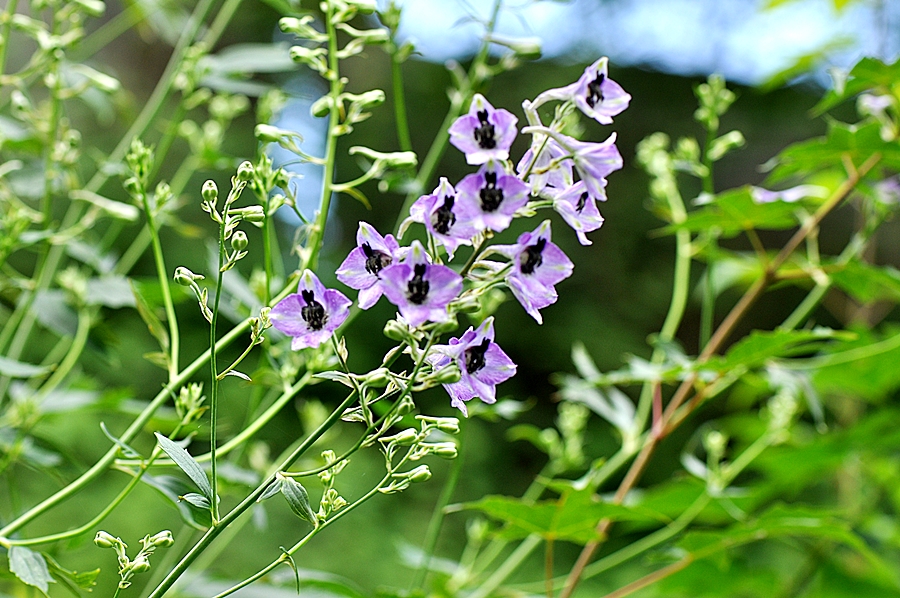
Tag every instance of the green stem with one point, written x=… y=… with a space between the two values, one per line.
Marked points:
x=508 y=567
x=7 y=29
x=85 y=317
x=317 y=232
x=214 y=374
x=108 y=31
x=163 y=276
x=437 y=516
x=400 y=114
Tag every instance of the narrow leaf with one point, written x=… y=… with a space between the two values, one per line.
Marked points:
x=18 y=369
x=127 y=451
x=188 y=464
x=298 y=499
x=197 y=500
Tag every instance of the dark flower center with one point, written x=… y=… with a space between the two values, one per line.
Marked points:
x=595 y=94
x=475 y=356
x=443 y=218
x=376 y=261
x=313 y=313
x=491 y=195
x=531 y=258
x=417 y=288
x=484 y=133
x=581 y=201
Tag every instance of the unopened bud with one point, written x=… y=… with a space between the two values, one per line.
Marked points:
x=185 y=277
x=163 y=538
x=404 y=438
x=239 y=241
x=419 y=474
x=245 y=171
x=447 y=425
x=105 y=540
x=444 y=450
x=447 y=375
x=210 y=192
x=140 y=565
x=396 y=331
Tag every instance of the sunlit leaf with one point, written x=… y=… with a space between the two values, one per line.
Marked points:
x=734 y=212
x=17 y=369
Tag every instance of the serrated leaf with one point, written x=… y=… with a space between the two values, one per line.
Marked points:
x=18 y=369
x=298 y=499
x=127 y=451
x=573 y=517
x=867 y=74
x=30 y=567
x=867 y=283
x=187 y=463
x=760 y=346
x=735 y=211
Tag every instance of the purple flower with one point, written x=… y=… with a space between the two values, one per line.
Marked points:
x=595 y=161
x=312 y=314
x=594 y=93
x=421 y=291
x=550 y=173
x=537 y=265
x=362 y=268
x=579 y=209
x=447 y=219
x=484 y=133
x=492 y=195
x=482 y=365
x=791 y=195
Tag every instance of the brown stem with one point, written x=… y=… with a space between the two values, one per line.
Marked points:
x=718 y=339
x=651 y=578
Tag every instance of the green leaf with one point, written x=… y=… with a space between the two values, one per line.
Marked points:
x=198 y=500
x=110 y=291
x=298 y=499
x=572 y=517
x=246 y=59
x=72 y=580
x=868 y=74
x=173 y=489
x=867 y=283
x=734 y=212
x=856 y=142
x=127 y=451
x=18 y=369
x=760 y=346
x=865 y=367
x=30 y=567
x=188 y=464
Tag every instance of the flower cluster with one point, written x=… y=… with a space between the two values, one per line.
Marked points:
x=468 y=213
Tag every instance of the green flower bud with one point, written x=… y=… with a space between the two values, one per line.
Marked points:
x=210 y=192
x=185 y=277
x=404 y=438
x=105 y=540
x=444 y=450
x=447 y=375
x=239 y=241
x=396 y=331
x=163 y=538
x=420 y=474
x=447 y=425
x=140 y=565
x=245 y=171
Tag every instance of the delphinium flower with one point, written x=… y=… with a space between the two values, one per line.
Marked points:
x=593 y=161
x=548 y=174
x=484 y=133
x=312 y=314
x=482 y=365
x=579 y=209
x=537 y=266
x=447 y=219
x=492 y=195
x=595 y=94
x=419 y=289
x=362 y=268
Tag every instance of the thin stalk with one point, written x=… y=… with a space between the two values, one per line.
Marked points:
x=317 y=232
x=214 y=375
x=163 y=276
x=508 y=567
x=400 y=113
x=708 y=304
x=85 y=317
x=7 y=29
x=109 y=31
x=437 y=516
